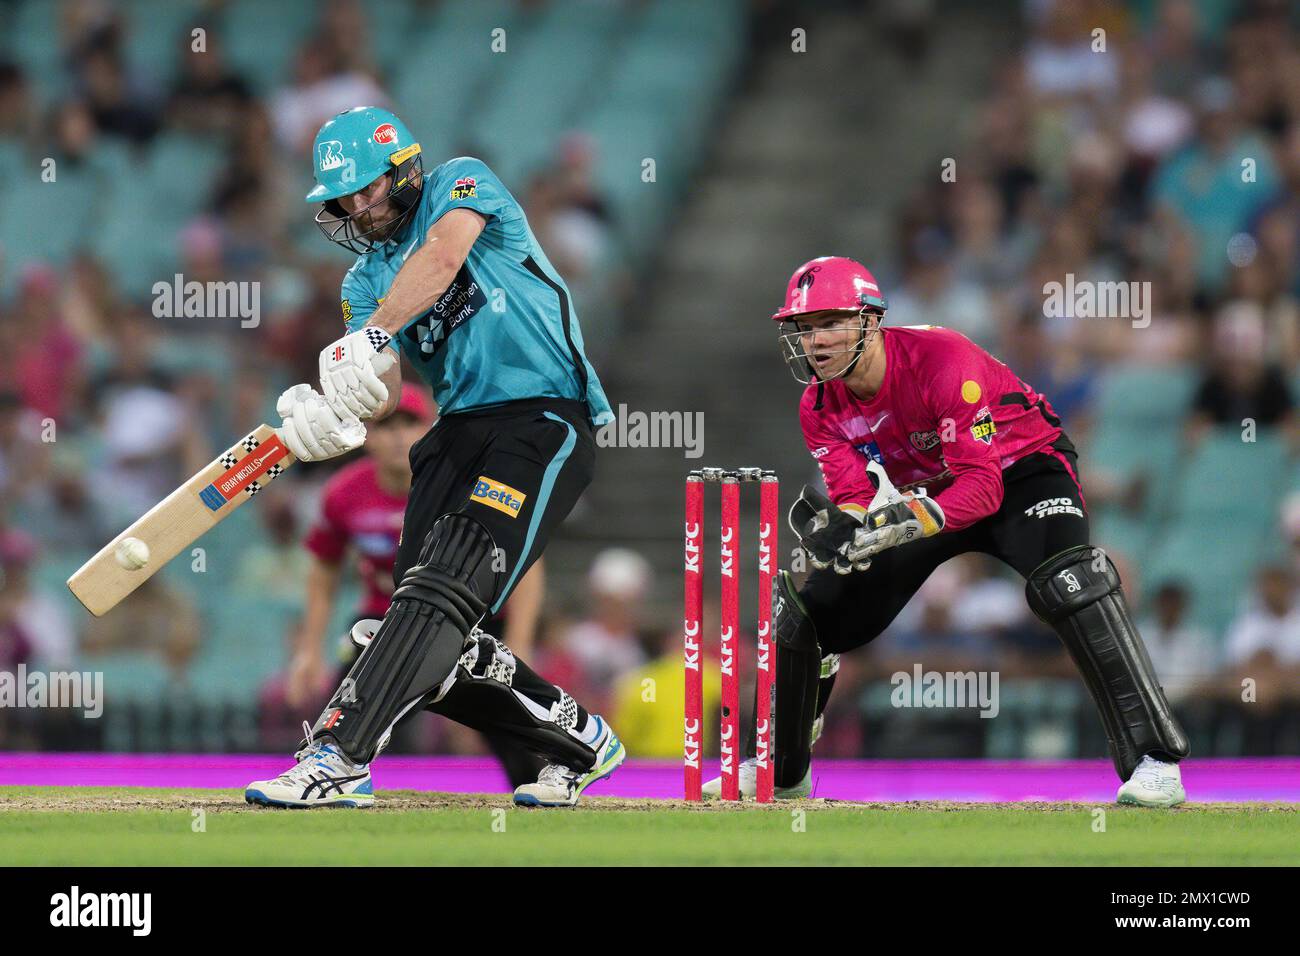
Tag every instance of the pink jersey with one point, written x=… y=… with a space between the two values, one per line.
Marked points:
x=948 y=416
x=356 y=513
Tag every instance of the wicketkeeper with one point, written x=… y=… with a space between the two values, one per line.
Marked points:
x=981 y=463
x=449 y=273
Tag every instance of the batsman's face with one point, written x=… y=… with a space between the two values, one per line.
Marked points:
x=371 y=209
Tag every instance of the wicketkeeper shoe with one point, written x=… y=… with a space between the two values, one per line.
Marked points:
x=1154 y=784
x=323 y=777
x=712 y=790
x=558 y=786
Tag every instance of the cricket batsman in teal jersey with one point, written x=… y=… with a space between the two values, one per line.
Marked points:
x=449 y=273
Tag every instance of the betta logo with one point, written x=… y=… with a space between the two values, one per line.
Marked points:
x=385 y=134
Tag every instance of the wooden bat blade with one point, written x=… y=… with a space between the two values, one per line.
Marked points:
x=182 y=517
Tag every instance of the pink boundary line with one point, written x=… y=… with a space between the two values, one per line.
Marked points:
x=979 y=781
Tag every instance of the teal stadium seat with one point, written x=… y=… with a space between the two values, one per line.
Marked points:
x=262 y=40
x=531 y=103
x=444 y=67
x=155 y=35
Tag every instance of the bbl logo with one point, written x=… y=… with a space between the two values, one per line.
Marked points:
x=466 y=188
x=984 y=428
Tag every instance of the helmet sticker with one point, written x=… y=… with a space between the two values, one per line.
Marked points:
x=385 y=134
x=329 y=155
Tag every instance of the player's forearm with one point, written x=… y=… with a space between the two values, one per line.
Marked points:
x=421 y=281
x=975 y=493
x=322 y=586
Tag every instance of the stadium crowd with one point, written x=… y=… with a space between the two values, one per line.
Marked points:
x=1169 y=157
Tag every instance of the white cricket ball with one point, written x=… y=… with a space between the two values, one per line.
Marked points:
x=132 y=554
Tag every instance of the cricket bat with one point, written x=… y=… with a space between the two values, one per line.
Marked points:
x=179 y=520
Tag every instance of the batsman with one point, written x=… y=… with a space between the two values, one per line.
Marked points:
x=449 y=273
x=981 y=464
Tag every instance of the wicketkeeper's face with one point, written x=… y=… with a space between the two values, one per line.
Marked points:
x=829 y=341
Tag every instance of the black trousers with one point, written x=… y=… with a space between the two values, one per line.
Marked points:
x=517 y=468
x=1042 y=514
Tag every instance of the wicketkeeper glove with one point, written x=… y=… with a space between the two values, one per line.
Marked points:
x=350 y=371
x=825 y=532
x=914 y=516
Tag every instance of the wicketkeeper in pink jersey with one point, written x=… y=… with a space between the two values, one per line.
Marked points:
x=930 y=448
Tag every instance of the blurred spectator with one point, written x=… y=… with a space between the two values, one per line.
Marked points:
x=1202 y=187
x=275 y=565
x=16 y=114
x=648 y=701
x=1060 y=60
x=45 y=365
x=1263 y=643
x=1175 y=45
x=156 y=619
x=323 y=84
x=1243 y=383
x=931 y=631
x=119 y=106
x=607 y=643
x=932 y=293
x=29 y=616
x=1183 y=654
x=150 y=442
x=75 y=135
x=23 y=456
x=207 y=96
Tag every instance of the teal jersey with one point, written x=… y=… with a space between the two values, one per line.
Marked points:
x=505 y=329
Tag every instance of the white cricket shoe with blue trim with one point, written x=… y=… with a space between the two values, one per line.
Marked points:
x=323 y=777
x=558 y=786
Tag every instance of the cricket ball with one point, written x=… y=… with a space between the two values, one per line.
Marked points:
x=132 y=554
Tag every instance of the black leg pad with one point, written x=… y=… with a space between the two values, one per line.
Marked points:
x=798 y=671
x=416 y=649
x=1078 y=593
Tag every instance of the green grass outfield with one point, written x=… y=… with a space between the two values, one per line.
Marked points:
x=120 y=826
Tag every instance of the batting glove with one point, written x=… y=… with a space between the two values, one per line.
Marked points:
x=911 y=518
x=311 y=430
x=350 y=371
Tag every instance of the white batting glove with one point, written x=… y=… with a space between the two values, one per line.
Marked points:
x=350 y=371
x=311 y=430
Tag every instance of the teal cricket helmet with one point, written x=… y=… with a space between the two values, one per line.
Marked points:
x=350 y=152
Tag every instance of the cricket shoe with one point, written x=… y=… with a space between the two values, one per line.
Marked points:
x=558 y=786
x=748 y=775
x=1154 y=784
x=323 y=777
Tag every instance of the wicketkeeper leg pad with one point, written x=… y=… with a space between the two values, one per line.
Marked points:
x=415 y=653
x=798 y=671
x=1078 y=593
